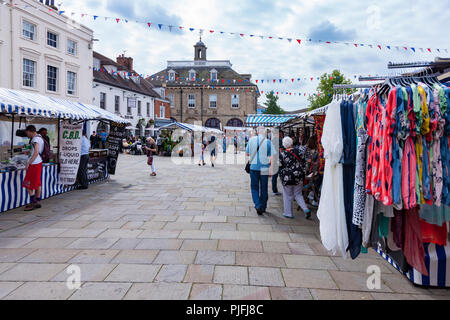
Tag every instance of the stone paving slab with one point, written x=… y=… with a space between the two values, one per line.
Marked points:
x=169 y=238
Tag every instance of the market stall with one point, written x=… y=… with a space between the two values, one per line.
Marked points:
x=268 y=120
x=63 y=121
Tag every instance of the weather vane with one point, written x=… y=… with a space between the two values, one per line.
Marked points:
x=201 y=33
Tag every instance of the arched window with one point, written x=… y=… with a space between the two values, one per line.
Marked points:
x=235 y=122
x=213 y=123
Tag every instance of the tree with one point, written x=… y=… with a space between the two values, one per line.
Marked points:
x=325 y=90
x=271 y=104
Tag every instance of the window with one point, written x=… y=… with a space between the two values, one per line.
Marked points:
x=148 y=109
x=28 y=30
x=131 y=103
x=235 y=101
x=171 y=98
x=71 y=82
x=235 y=123
x=171 y=76
x=102 y=100
x=116 y=104
x=52 y=78
x=139 y=108
x=71 y=47
x=192 y=75
x=162 y=111
x=52 y=39
x=212 y=101
x=29 y=73
x=213 y=75
x=191 y=101
x=212 y=123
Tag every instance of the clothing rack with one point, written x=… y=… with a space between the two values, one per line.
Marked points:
x=351 y=86
x=375 y=78
x=392 y=65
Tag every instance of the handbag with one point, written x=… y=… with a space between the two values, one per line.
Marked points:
x=247 y=166
x=150 y=160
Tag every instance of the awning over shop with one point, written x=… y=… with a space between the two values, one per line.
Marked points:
x=268 y=120
x=189 y=127
x=33 y=104
x=162 y=122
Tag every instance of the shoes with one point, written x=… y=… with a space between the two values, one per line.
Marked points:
x=259 y=211
x=37 y=205
x=82 y=188
x=288 y=217
x=277 y=194
x=153 y=174
x=212 y=165
x=31 y=207
x=308 y=215
x=199 y=165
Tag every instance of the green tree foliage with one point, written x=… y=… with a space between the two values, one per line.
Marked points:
x=325 y=90
x=272 y=104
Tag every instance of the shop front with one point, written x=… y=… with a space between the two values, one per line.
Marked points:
x=63 y=122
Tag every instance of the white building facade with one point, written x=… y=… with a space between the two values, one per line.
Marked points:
x=44 y=52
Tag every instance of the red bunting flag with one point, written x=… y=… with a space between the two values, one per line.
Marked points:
x=292 y=80
x=149 y=24
x=241 y=34
x=299 y=41
x=181 y=28
x=211 y=31
x=262 y=92
x=117 y=20
x=271 y=38
x=256 y=81
x=328 y=42
x=406 y=48
x=379 y=47
x=273 y=80
x=429 y=49
x=356 y=45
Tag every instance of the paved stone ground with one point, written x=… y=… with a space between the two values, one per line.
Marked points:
x=189 y=233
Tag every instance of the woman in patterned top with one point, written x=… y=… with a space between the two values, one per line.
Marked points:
x=292 y=174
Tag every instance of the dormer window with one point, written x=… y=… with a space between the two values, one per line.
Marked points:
x=213 y=74
x=192 y=75
x=171 y=75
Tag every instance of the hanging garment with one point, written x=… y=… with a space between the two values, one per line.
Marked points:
x=434 y=214
x=359 y=199
x=374 y=122
x=413 y=246
x=436 y=162
x=432 y=233
x=397 y=136
x=409 y=165
x=368 y=220
x=397 y=228
x=331 y=211
x=419 y=169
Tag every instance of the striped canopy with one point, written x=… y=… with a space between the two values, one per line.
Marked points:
x=34 y=104
x=190 y=127
x=268 y=120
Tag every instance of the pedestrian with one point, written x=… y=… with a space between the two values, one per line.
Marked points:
x=224 y=144
x=103 y=138
x=292 y=175
x=213 y=148
x=235 y=142
x=44 y=134
x=260 y=152
x=32 y=181
x=150 y=148
x=94 y=140
x=202 y=155
x=159 y=144
x=275 y=191
x=84 y=161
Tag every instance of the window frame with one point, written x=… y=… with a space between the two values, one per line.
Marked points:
x=148 y=110
x=117 y=104
x=34 y=30
x=56 y=40
x=103 y=101
x=233 y=104
x=171 y=76
x=171 y=98
x=33 y=80
x=162 y=114
x=139 y=107
x=56 y=79
x=215 y=73
x=189 y=100
x=215 y=101
x=75 y=82
x=75 y=53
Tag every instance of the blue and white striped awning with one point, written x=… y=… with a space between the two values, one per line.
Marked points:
x=268 y=120
x=33 y=104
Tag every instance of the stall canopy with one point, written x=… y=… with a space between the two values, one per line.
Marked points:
x=268 y=120
x=34 y=104
x=190 y=127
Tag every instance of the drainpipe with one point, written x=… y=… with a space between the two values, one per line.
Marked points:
x=201 y=105
x=181 y=105
x=12 y=42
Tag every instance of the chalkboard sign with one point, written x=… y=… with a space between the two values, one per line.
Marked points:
x=115 y=139
x=96 y=169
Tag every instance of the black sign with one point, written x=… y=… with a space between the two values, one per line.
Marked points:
x=116 y=134
x=96 y=169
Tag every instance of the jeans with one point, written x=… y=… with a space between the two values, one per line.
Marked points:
x=274 y=183
x=83 y=170
x=289 y=194
x=259 y=186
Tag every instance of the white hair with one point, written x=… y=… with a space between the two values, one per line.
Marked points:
x=262 y=130
x=287 y=142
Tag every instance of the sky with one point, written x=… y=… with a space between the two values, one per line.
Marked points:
x=419 y=24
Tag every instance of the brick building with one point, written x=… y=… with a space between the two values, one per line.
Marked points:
x=209 y=92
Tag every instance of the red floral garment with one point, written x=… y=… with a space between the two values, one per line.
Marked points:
x=319 y=121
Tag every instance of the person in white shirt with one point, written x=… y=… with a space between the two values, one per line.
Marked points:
x=84 y=161
x=32 y=181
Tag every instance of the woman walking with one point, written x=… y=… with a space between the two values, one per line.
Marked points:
x=292 y=174
x=150 y=148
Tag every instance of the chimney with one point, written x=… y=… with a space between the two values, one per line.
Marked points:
x=126 y=62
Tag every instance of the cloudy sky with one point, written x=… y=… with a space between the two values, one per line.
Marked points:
x=419 y=24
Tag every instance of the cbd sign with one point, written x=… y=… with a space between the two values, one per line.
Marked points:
x=71 y=135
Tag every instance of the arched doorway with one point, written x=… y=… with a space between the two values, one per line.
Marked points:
x=213 y=123
x=235 y=122
x=190 y=120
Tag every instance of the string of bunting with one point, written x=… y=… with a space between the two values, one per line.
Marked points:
x=300 y=41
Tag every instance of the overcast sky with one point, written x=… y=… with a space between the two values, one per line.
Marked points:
x=419 y=24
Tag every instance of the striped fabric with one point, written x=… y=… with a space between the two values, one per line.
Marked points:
x=436 y=263
x=190 y=127
x=14 y=196
x=268 y=120
x=33 y=104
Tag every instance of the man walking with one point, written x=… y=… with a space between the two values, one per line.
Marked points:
x=84 y=161
x=260 y=152
x=32 y=181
